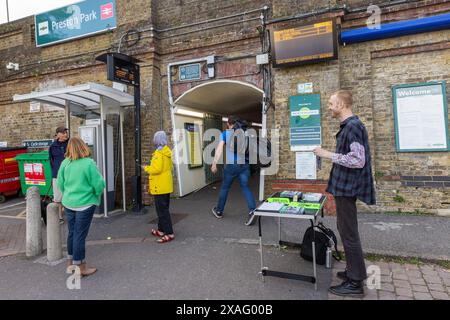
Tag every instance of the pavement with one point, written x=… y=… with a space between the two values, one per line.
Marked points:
x=218 y=259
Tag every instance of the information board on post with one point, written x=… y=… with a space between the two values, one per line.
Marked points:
x=75 y=21
x=421 y=117
x=305 y=129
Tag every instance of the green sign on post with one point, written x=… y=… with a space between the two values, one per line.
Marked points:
x=305 y=130
x=74 y=21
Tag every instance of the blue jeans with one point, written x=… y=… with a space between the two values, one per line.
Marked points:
x=231 y=171
x=78 y=223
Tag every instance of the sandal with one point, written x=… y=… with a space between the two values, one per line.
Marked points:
x=157 y=233
x=165 y=238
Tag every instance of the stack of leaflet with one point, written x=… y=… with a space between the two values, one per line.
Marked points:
x=270 y=207
x=312 y=197
x=292 y=210
x=294 y=195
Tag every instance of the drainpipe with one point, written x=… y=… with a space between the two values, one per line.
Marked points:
x=266 y=88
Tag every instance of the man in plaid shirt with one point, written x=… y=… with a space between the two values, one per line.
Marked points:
x=350 y=179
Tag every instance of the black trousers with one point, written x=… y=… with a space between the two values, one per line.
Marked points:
x=162 y=202
x=347 y=224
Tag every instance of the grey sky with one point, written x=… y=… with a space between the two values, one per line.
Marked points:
x=23 y=8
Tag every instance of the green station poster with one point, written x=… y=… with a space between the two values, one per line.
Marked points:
x=305 y=130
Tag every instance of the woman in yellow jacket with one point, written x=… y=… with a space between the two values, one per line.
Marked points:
x=161 y=186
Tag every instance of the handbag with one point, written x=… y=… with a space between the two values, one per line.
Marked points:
x=325 y=238
x=45 y=201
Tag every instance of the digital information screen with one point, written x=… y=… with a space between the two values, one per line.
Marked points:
x=304 y=44
x=123 y=71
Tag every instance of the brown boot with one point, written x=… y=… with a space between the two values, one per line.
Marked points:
x=85 y=270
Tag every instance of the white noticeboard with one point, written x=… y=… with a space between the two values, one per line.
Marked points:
x=87 y=134
x=421 y=117
x=3 y=144
x=305 y=165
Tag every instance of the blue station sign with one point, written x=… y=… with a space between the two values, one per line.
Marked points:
x=75 y=21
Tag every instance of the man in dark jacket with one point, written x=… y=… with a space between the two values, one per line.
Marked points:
x=350 y=179
x=56 y=152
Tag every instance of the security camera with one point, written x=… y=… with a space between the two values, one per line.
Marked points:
x=12 y=66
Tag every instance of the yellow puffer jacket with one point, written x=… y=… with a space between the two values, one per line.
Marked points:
x=160 y=171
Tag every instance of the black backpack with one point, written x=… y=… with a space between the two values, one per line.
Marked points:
x=325 y=238
x=246 y=143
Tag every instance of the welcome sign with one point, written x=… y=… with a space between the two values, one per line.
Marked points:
x=304 y=121
x=75 y=21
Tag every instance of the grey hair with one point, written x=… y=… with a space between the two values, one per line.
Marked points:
x=160 y=139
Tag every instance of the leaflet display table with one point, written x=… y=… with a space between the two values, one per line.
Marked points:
x=310 y=215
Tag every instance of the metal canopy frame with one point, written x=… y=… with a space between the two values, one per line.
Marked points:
x=87 y=99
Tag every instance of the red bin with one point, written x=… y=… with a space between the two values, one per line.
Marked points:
x=9 y=172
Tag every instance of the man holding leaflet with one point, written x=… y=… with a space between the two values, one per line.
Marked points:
x=350 y=179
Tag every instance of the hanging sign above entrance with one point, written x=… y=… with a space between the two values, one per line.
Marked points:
x=305 y=130
x=75 y=21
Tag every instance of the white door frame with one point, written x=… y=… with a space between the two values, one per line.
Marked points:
x=174 y=138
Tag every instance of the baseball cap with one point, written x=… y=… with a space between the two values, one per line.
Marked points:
x=61 y=129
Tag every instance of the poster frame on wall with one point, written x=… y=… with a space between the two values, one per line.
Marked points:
x=444 y=122
x=311 y=135
x=187 y=127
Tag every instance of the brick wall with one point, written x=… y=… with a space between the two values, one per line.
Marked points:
x=406 y=181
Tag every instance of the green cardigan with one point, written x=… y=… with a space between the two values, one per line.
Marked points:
x=80 y=182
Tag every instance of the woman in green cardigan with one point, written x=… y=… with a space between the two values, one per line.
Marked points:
x=82 y=186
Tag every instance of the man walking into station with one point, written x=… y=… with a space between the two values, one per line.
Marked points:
x=350 y=179
x=237 y=166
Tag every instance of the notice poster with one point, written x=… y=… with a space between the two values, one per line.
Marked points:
x=304 y=121
x=305 y=165
x=34 y=174
x=421 y=117
x=193 y=145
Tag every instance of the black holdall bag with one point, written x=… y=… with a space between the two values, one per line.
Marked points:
x=45 y=201
x=325 y=238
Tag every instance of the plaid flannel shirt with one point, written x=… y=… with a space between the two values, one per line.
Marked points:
x=352 y=182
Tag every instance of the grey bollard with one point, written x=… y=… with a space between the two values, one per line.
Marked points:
x=33 y=245
x=54 y=239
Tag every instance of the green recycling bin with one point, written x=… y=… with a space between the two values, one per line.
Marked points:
x=35 y=170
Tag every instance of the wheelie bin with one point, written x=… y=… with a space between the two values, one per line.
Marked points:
x=35 y=170
x=9 y=172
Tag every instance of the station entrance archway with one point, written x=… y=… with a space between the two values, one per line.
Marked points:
x=204 y=107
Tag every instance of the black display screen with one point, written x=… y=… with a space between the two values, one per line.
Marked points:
x=304 y=44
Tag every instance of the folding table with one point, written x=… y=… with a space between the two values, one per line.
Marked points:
x=309 y=215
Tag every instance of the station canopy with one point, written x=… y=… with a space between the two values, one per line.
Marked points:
x=83 y=100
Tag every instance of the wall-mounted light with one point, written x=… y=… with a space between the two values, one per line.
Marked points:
x=186 y=112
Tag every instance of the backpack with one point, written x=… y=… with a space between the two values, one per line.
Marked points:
x=325 y=238
x=238 y=143
x=247 y=144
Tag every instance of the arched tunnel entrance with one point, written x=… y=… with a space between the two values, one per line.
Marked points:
x=204 y=107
